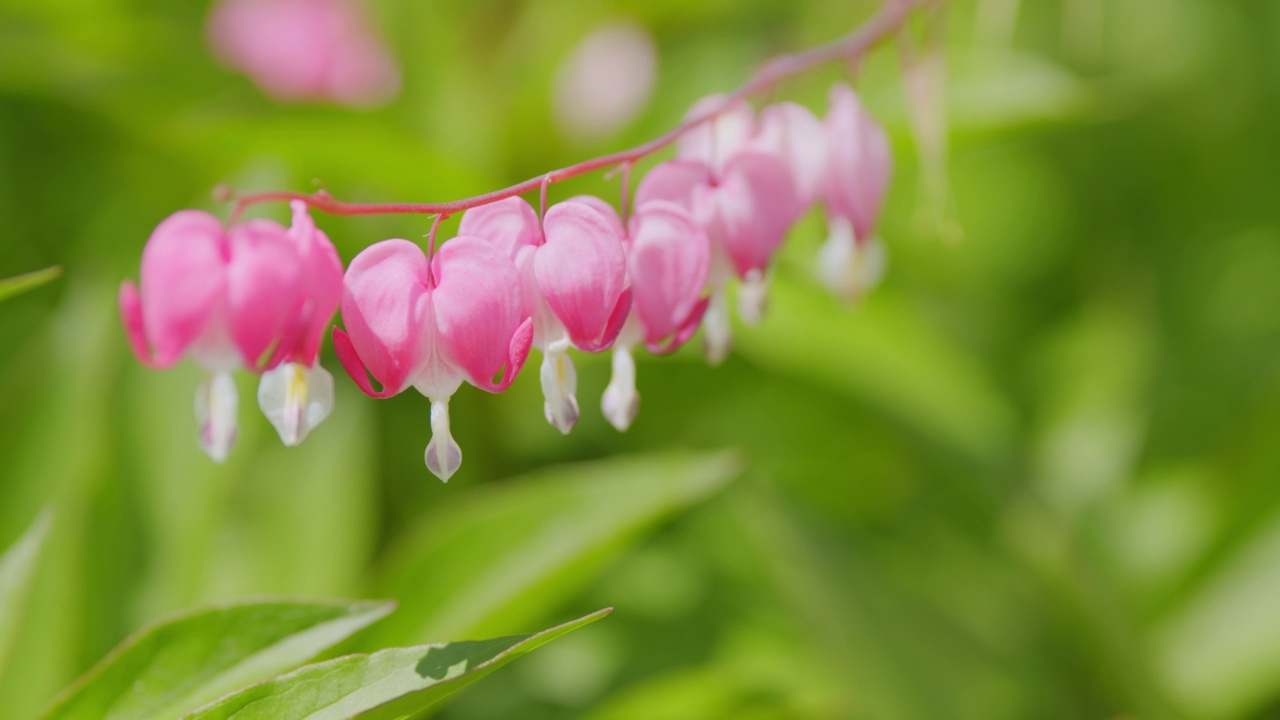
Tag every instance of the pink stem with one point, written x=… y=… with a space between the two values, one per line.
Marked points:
x=431 y=247
x=888 y=20
x=624 y=205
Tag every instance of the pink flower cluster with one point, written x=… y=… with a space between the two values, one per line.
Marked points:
x=578 y=276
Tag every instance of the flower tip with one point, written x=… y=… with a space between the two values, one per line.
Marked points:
x=620 y=401
x=443 y=455
x=559 y=388
x=217 y=404
x=850 y=269
x=443 y=458
x=562 y=413
x=295 y=399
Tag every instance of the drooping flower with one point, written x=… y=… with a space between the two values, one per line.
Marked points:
x=858 y=169
x=668 y=260
x=305 y=50
x=743 y=197
x=793 y=133
x=573 y=272
x=254 y=296
x=433 y=324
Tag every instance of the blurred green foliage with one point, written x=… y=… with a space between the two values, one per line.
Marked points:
x=1034 y=475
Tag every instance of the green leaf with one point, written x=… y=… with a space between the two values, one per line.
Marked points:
x=19 y=284
x=17 y=568
x=388 y=684
x=177 y=664
x=542 y=537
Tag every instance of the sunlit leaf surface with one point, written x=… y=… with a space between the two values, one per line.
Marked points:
x=386 y=685
x=181 y=663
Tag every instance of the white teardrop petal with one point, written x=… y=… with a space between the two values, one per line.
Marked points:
x=620 y=401
x=559 y=389
x=217 y=404
x=717 y=335
x=443 y=455
x=295 y=399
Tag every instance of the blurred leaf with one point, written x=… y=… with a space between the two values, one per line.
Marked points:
x=17 y=567
x=887 y=354
x=388 y=684
x=1219 y=653
x=542 y=537
x=19 y=284
x=1010 y=90
x=180 y=663
x=1093 y=376
x=57 y=457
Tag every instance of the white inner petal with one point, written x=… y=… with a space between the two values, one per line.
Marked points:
x=217 y=404
x=443 y=455
x=753 y=295
x=848 y=268
x=717 y=335
x=837 y=257
x=295 y=399
x=620 y=401
x=559 y=388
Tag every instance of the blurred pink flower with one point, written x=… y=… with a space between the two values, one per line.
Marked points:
x=433 y=324
x=793 y=133
x=744 y=197
x=574 y=274
x=668 y=260
x=305 y=50
x=255 y=296
x=606 y=81
x=859 y=166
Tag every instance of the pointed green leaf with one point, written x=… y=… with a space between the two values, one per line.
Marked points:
x=386 y=685
x=17 y=567
x=177 y=664
x=19 y=284
x=542 y=537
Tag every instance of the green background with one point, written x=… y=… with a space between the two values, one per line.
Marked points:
x=1036 y=474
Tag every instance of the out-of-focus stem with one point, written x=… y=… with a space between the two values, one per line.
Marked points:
x=846 y=49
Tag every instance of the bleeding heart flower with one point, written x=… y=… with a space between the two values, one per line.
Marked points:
x=433 y=324
x=714 y=142
x=305 y=50
x=858 y=170
x=795 y=134
x=255 y=296
x=574 y=276
x=745 y=210
x=668 y=259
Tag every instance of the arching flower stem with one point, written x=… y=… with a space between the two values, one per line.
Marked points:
x=891 y=18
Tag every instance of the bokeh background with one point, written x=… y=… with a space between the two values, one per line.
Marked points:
x=1035 y=474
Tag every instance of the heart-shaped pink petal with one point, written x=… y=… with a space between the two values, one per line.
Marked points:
x=479 y=311
x=582 y=272
x=669 y=260
x=508 y=225
x=754 y=206
x=183 y=282
x=860 y=162
x=796 y=135
x=264 y=288
x=386 y=310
